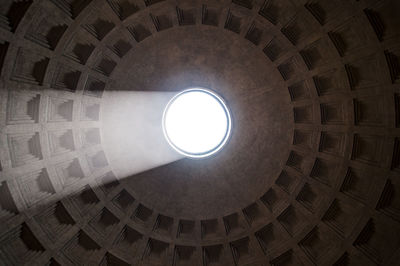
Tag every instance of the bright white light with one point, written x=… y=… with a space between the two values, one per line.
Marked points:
x=196 y=122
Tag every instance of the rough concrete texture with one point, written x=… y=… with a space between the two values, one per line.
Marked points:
x=310 y=175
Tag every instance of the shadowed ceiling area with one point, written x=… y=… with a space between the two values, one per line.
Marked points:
x=309 y=176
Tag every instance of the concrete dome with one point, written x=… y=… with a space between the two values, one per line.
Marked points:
x=309 y=176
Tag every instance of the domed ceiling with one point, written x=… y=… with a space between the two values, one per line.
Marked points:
x=310 y=175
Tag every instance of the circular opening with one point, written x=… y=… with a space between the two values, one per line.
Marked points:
x=196 y=122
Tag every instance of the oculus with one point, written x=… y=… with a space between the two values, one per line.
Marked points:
x=196 y=122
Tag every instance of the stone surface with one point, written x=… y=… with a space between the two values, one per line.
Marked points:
x=309 y=177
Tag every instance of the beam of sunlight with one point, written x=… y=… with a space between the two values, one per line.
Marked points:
x=132 y=131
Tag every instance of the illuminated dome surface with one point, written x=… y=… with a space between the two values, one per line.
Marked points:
x=310 y=174
x=196 y=123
